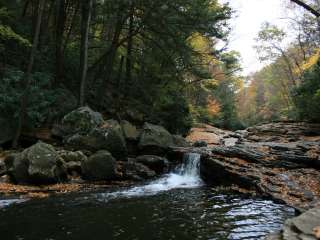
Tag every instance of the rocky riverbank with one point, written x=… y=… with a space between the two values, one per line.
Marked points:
x=87 y=152
x=277 y=160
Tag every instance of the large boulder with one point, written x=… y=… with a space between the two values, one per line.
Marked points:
x=7 y=130
x=81 y=121
x=39 y=164
x=306 y=226
x=108 y=137
x=99 y=166
x=155 y=139
x=179 y=141
x=155 y=163
x=130 y=131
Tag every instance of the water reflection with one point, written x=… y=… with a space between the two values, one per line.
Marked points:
x=197 y=213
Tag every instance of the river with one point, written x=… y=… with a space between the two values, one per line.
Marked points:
x=176 y=206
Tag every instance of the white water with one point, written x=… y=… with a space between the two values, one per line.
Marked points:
x=187 y=175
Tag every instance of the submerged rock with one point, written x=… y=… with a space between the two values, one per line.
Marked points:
x=99 y=166
x=39 y=164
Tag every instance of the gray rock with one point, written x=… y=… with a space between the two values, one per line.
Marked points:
x=155 y=139
x=40 y=163
x=200 y=144
x=109 y=137
x=155 y=163
x=82 y=121
x=99 y=166
x=303 y=227
x=130 y=131
x=179 y=141
x=69 y=156
x=137 y=171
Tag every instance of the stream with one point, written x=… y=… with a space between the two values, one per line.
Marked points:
x=176 y=206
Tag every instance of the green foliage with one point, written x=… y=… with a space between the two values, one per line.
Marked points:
x=8 y=35
x=307 y=95
x=41 y=98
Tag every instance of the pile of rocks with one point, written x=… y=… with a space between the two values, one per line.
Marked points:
x=94 y=149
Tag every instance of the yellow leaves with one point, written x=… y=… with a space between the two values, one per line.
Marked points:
x=203 y=46
x=310 y=62
x=213 y=107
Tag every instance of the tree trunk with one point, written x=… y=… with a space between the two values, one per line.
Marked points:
x=27 y=76
x=60 y=26
x=85 y=26
x=129 y=48
x=307 y=7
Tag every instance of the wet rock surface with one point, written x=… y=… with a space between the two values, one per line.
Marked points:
x=279 y=160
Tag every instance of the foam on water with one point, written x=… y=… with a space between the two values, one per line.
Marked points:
x=187 y=175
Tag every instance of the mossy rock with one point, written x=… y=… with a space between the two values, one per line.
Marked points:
x=99 y=166
x=82 y=121
x=39 y=164
x=108 y=137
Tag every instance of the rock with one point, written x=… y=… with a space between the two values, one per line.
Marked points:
x=155 y=139
x=206 y=133
x=303 y=227
x=73 y=161
x=130 y=132
x=39 y=164
x=179 y=141
x=81 y=121
x=137 y=171
x=7 y=130
x=69 y=156
x=155 y=163
x=200 y=143
x=99 y=166
x=108 y=137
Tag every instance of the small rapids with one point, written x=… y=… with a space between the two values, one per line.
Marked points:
x=187 y=175
x=176 y=206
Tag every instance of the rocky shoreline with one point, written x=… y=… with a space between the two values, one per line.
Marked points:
x=278 y=160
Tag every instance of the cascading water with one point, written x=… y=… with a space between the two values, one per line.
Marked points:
x=146 y=212
x=187 y=175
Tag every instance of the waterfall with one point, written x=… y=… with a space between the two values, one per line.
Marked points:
x=187 y=175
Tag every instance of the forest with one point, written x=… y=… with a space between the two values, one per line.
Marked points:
x=143 y=119
x=157 y=61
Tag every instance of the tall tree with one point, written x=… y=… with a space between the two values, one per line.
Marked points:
x=28 y=75
x=86 y=10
